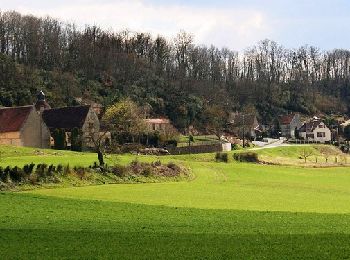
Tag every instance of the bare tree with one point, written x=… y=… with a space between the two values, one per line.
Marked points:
x=306 y=153
x=326 y=152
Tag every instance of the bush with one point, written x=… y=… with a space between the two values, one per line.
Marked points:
x=246 y=157
x=171 y=143
x=221 y=157
x=67 y=170
x=120 y=170
x=174 y=167
x=3 y=177
x=28 y=168
x=236 y=147
x=59 y=168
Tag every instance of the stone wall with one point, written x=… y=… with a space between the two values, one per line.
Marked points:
x=90 y=129
x=196 y=149
x=34 y=132
x=11 y=138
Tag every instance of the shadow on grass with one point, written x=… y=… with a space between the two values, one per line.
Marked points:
x=148 y=245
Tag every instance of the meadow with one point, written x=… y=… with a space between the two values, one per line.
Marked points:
x=230 y=210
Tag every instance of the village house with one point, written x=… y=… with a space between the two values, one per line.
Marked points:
x=289 y=123
x=244 y=123
x=23 y=126
x=315 y=131
x=157 y=124
x=82 y=118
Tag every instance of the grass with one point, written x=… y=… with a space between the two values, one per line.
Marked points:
x=230 y=210
x=321 y=155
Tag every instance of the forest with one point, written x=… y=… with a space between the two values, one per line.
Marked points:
x=175 y=77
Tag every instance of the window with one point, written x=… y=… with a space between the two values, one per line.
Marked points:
x=321 y=126
x=321 y=134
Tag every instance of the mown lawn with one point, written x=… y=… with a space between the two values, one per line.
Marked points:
x=233 y=210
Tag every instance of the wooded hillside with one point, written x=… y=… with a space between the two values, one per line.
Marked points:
x=174 y=77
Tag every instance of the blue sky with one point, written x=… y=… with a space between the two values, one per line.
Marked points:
x=233 y=24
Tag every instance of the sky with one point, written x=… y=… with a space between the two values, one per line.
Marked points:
x=233 y=24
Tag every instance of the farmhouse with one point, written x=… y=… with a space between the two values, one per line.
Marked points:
x=289 y=123
x=158 y=124
x=23 y=126
x=81 y=118
x=316 y=131
x=248 y=124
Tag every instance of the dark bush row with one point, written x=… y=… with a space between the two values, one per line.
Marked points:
x=32 y=173
x=246 y=157
x=221 y=157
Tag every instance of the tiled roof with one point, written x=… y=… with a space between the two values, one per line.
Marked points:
x=13 y=118
x=286 y=119
x=310 y=126
x=157 y=121
x=66 y=117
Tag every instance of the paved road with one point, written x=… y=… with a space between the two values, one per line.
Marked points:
x=272 y=145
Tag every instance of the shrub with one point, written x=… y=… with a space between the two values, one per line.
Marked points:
x=221 y=157
x=80 y=172
x=67 y=170
x=16 y=174
x=59 y=168
x=3 y=177
x=51 y=170
x=171 y=143
x=157 y=163
x=41 y=170
x=28 y=168
x=236 y=147
x=174 y=167
x=246 y=157
x=147 y=170
x=120 y=170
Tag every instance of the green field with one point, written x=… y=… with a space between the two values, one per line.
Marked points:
x=234 y=210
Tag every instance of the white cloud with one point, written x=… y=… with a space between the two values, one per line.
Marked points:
x=236 y=28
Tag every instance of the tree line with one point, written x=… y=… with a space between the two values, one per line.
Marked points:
x=172 y=77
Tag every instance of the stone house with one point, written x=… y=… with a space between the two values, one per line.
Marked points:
x=315 y=131
x=289 y=123
x=247 y=123
x=83 y=118
x=158 y=124
x=23 y=126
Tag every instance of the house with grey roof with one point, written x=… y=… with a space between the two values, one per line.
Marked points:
x=315 y=131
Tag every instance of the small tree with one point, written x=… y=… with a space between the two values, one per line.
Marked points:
x=76 y=140
x=59 y=136
x=125 y=118
x=215 y=120
x=306 y=153
x=297 y=133
x=326 y=152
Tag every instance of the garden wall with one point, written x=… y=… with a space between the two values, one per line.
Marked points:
x=212 y=148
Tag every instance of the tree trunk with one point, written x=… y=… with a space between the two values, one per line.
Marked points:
x=100 y=158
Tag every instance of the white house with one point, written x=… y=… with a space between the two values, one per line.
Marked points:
x=316 y=131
